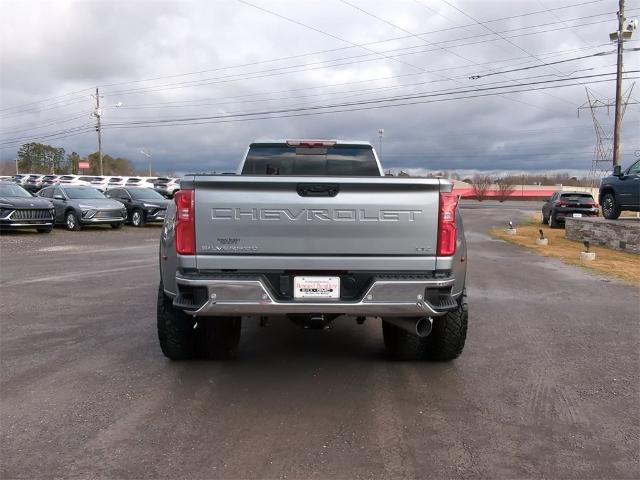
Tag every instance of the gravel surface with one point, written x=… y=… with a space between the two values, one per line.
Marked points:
x=547 y=387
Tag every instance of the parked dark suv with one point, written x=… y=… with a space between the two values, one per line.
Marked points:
x=568 y=204
x=143 y=204
x=620 y=191
x=19 y=209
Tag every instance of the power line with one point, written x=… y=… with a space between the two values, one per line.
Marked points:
x=366 y=102
x=432 y=93
x=243 y=76
x=45 y=124
x=66 y=132
x=369 y=80
x=564 y=7
x=296 y=22
x=546 y=64
x=446 y=2
x=39 y=109
x=269 y=114
x=302 y=114
x=341 y=93
x=346 y=2
x=271 y=117
x=361 y=92
x=302 y=55
x=44 y=100
x=305 y=67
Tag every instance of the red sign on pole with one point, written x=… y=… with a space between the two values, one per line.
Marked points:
x=83 y=164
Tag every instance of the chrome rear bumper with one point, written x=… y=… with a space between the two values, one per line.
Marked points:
x=252 y=297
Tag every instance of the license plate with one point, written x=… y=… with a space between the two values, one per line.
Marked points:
x=316 y=287
x=577 y=215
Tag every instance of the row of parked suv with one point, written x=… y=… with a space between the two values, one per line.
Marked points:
x=35 y=182
x=75 y=206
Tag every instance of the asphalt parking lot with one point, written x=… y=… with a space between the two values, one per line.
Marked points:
x=547 y=387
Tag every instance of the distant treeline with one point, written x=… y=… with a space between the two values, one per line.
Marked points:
x=41 y=158
x=519 y=179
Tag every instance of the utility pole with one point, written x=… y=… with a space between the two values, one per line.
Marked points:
x=617 y=126
x=98 y=114
x=148 y=155
x=380 y=134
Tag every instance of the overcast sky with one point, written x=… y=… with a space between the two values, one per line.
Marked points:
x=186 y=60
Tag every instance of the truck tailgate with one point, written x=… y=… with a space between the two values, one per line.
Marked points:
x=316 y=216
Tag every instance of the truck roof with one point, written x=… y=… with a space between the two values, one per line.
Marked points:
x=335 y=141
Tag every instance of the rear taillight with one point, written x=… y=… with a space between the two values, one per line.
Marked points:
x=447 y=231
x=185 y=222
x=561 y=203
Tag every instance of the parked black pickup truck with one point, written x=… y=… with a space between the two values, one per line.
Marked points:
x=620 y=191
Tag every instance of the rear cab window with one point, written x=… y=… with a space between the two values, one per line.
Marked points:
x=302 y=160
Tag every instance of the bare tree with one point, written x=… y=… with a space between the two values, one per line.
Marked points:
x=506 y=186
x=481 y=184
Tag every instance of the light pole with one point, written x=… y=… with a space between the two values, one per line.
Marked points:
x=97 y=112
x=380 y=134
x=148 y=155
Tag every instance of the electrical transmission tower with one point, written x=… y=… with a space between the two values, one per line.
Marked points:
x=602 y=124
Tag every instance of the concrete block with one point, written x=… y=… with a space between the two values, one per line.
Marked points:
x=587 y=256
x=542 y=241
x=512 y=231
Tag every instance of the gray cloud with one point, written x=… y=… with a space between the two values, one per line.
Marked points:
x=51 y=48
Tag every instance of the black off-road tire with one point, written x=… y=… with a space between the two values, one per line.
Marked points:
x=449 y=333
x=610 y=208
x=217 y=338
x=175 y=330
x=551 y=221
x=445 y=342
x=45 y=229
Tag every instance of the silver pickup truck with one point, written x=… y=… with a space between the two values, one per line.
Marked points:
x=312 y=230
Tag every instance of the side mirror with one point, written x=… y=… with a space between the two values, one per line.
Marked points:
x=58 y=197
x=617 y=171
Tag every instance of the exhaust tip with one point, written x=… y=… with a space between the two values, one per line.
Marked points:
x=424 y=326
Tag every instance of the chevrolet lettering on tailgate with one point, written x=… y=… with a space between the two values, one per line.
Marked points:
x=321 y=214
